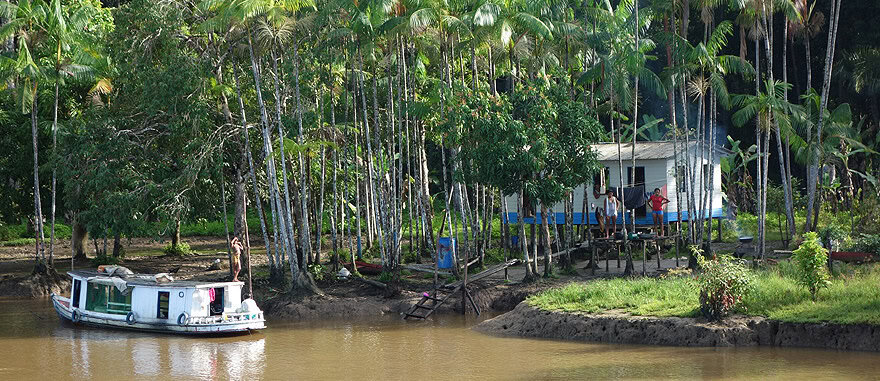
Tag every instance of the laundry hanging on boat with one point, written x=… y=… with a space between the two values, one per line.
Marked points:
x=211 y=294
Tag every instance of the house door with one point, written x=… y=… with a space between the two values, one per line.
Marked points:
x=642 y=210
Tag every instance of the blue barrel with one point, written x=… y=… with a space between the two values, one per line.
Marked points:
x=445 y=252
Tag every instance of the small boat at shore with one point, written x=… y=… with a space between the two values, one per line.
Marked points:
x=116 y=298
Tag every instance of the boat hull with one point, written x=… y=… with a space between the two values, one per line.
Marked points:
x=65 y=312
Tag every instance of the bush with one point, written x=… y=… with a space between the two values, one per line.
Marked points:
x=723 y=282
x=386 y=276
x=810 y=260
x=836 y=233
x=5 y=233
x=181 y=249
x=318 y=271
x=102 y=258
x=867 y=243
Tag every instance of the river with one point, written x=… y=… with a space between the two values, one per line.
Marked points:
x=34 y=345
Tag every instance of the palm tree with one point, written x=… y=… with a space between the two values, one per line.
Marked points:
x=27 y=22
x=66 y=31
x=770 y=109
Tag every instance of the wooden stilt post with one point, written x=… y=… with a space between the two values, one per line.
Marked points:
x=658 y=253
x=593 y=259
x=618 y=254
x=644 y=257
x=677 y=243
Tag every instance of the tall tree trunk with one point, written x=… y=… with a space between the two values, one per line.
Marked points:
x=175 y=237
x=40 y=265
x=545 y=233
x=813 y=175
x=783 y=159
x=523 y=242
x=635 y=120
x=247 y=153
x=79 y=237
x=54 y=169
x=304 y=226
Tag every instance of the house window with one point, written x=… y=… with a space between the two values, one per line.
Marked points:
x=640 y=176
x=162 y=310
x=600 y=181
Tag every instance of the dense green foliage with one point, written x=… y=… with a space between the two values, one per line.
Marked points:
x=150 y=118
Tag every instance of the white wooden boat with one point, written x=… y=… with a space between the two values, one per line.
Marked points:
x=114 y=298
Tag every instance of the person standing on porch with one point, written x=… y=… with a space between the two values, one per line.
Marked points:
x=657 y=201
x=611 y=204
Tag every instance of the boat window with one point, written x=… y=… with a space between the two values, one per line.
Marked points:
x=119 y=302
x=77 y=287
x=162 y=311
x=107 y=299
x=96 y=297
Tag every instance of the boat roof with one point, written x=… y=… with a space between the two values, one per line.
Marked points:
x=149 y=280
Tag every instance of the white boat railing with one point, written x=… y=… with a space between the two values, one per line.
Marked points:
x=227 y=318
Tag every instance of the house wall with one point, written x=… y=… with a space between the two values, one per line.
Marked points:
x=659 y=173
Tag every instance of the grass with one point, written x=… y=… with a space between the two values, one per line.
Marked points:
x=852 y=298
x=19 y=242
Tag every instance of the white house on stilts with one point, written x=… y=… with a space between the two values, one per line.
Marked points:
x=655 y=167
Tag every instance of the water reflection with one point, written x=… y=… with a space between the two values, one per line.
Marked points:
x=94 y=352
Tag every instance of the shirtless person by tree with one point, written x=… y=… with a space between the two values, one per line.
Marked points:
x=236 y=258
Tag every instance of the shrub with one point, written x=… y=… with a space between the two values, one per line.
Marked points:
x=386 y=276
x=810 y=260
x=836 y=233
x=868 y=243
x=181 y=249
x=5 y=233
x=102 y=258
x=318 y=271
x=724 y=282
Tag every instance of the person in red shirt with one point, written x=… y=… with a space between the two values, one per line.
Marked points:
x=657 y=201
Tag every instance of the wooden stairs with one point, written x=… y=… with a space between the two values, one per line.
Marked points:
x=430 y=302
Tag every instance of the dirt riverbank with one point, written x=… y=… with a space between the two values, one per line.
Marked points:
x=612 y=327
x=340 y=299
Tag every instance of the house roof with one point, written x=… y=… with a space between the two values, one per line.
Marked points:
x=646 y=150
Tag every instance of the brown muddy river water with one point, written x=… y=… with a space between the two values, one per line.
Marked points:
x=34 y=345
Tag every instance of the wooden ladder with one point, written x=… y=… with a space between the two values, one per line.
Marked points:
x=424 y=305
